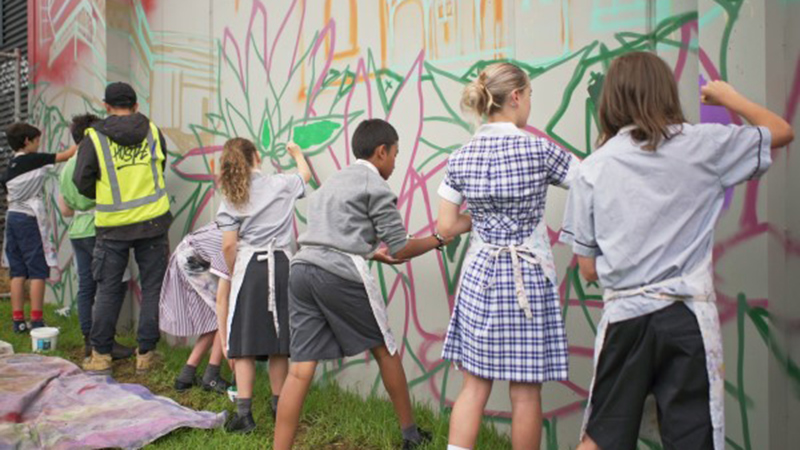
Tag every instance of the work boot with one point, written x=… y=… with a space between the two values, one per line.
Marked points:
x=145 y=362
x=98 y=364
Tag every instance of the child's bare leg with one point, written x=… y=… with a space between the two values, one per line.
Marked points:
x=293 y=393
x=200 y=348
x=18 y=294
x=394 y=380
x=216 y=350
x=37 y=294
x=588 y=444
x=526 y=415
x=245 y=377
x=465 y=420
x=278 y=370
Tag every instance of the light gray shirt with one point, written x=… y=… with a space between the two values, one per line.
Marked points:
x=269 y=212
x=650 y=216
x=353 y=212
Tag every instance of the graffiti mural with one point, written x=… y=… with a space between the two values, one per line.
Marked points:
x=310 y=70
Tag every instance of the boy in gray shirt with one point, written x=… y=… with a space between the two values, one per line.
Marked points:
x=336 y=309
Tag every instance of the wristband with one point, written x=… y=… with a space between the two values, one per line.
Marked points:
x=441 y=241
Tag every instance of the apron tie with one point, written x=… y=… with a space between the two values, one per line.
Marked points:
x=271 y=301
x=655 y=292
x=517 y=252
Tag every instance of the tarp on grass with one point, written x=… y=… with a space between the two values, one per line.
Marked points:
x=48 y=402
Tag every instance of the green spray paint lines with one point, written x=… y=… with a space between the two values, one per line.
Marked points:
x=732 y=8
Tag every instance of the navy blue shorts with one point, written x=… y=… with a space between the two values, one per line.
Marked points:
x=24 y=248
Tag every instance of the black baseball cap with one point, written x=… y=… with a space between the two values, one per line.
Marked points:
x=120 y=94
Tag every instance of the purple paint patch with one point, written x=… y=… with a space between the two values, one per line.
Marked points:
x=713 y=114
x=728 y=198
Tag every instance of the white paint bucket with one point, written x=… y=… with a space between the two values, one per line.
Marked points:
x=232 y=393
x=44 y=339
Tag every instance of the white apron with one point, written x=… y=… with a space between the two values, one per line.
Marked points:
x=374 y=294
x=535 y=250
x=244 y=254
x=39 y=210
x=703 y=303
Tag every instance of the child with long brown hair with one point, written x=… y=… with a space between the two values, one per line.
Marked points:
x=640 y=218
x=256 y=222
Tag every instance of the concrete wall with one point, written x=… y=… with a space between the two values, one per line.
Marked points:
x=311 y=70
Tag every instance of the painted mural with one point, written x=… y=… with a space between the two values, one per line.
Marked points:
x=310 y=70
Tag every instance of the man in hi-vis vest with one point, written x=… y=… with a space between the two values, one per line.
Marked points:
x=121 y=164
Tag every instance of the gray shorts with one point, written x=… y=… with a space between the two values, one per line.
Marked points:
x=330 y=316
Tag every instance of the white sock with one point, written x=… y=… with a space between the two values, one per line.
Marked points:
x=455 y=447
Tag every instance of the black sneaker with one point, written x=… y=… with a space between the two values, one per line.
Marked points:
x=119 y=351
x=20 y=326
x=182 y=386
x=424 y=438
x=37 y=324
x=273 y=412
x=220 y=386
x=241 y=425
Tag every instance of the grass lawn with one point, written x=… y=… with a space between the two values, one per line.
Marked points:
x=333 y=418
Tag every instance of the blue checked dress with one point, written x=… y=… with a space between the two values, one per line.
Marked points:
x=503 y=175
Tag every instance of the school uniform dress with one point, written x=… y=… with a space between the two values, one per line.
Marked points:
x=506 y=323
x=188 y=294
x=258 y=312
x=652 y=236
x=337 y=309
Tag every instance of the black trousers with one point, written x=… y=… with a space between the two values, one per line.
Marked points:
x=108 y=266
x=661 y=353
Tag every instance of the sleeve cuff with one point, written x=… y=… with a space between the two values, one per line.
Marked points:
x=764 y=157
x=228 y=226
x=450 y=194
x=572 y=172
x=219 y=274
x=579 y=248
x=303 y=186
x=396 y=246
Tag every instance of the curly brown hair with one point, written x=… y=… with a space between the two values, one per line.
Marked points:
x=239 y=157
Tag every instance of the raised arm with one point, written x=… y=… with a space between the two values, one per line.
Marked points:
x=302 y=165
x=66 y=154
x=723 y=94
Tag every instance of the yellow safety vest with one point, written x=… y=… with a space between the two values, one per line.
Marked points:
x=131 y=186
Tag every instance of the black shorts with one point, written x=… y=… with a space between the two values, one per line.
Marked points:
x=661 y=353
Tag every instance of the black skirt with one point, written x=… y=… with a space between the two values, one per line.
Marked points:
x=252 y=331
